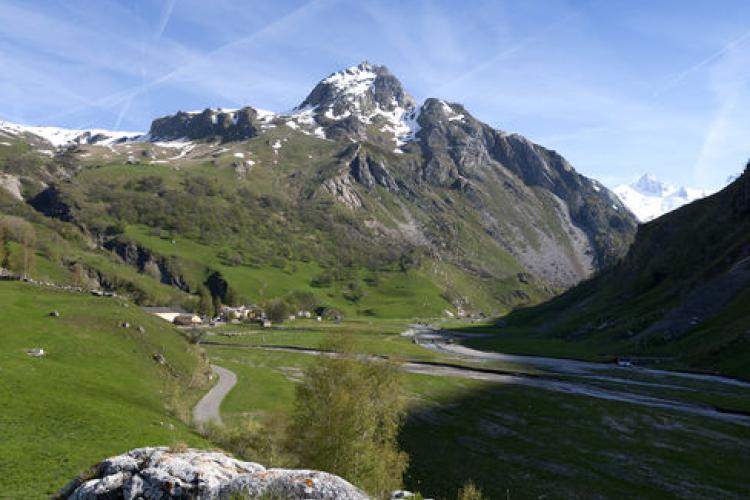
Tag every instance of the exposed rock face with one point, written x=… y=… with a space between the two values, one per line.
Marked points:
x=226 y=125
x=12 y=184
x=462 y=153
x=146 y=262
x=370 y=172
x=158 y=473
x=341 y=188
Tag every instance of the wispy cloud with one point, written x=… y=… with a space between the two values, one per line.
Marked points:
x=728 y=129
x=731 y=46
x=165 y=16
x=577 y=77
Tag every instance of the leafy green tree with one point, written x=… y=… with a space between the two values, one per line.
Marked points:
x=205 y=302
x=354 y=292
x=346 y=420
x=21 y=231
x=231 y=297
x=303 y=299
x=4 y=249
x=277 y=311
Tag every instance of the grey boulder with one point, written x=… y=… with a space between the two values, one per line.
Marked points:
x=162 y=473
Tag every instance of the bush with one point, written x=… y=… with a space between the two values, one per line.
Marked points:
x=469 y=491
x=303 y=300
x=346 y=420
x=277 y=311
x=354 y=292
x=323 y=280
x=329 y=313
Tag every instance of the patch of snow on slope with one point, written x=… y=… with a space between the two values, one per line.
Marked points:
x=183 y=152
x=319 y=132
x=354 y=80
x=649 y=198
x=450 y=113
x=177 y=143
x=402 y=123
x=264 y=115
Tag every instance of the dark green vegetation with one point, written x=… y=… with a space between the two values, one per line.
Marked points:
x=682 y=294
x=97 y=392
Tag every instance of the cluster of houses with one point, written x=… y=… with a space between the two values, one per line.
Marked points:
x=227 y=314
x=241 y=313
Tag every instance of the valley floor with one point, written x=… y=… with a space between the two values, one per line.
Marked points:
x=520 y=427
x=523 y=427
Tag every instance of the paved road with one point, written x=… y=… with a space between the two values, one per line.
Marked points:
x=207 y=408
x=572 y=377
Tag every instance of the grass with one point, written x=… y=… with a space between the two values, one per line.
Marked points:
x=395 y=295
x=379 y=337
x=97 y=393
x=518 y=442
x=263 y=381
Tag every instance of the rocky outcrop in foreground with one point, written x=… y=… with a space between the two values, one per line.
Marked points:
x=161 y=473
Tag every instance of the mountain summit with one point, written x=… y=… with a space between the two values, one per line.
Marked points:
x=363 y=90
x=649 y=198
x=348 y=101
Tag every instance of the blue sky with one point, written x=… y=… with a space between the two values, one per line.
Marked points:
x=618 y=87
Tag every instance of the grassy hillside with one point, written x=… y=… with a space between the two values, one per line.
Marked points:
x=680 y=294
x=265 y=237
x=96 y=393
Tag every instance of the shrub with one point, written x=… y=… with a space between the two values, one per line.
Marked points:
x=469 y=491
x=252 y=439
x=277 y=311
x=347 y=417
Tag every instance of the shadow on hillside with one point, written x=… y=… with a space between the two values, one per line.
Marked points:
x=517 y=442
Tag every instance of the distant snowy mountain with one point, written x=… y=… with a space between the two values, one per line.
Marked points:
x=58 y=137
x=649 y=198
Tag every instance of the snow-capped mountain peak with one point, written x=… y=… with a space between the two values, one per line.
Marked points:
x=649 y=198
x=359 y=96
x=649 y=185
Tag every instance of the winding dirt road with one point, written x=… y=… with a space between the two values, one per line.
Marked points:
x=207 y=408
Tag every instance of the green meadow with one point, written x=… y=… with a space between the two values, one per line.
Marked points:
x=97 y=391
